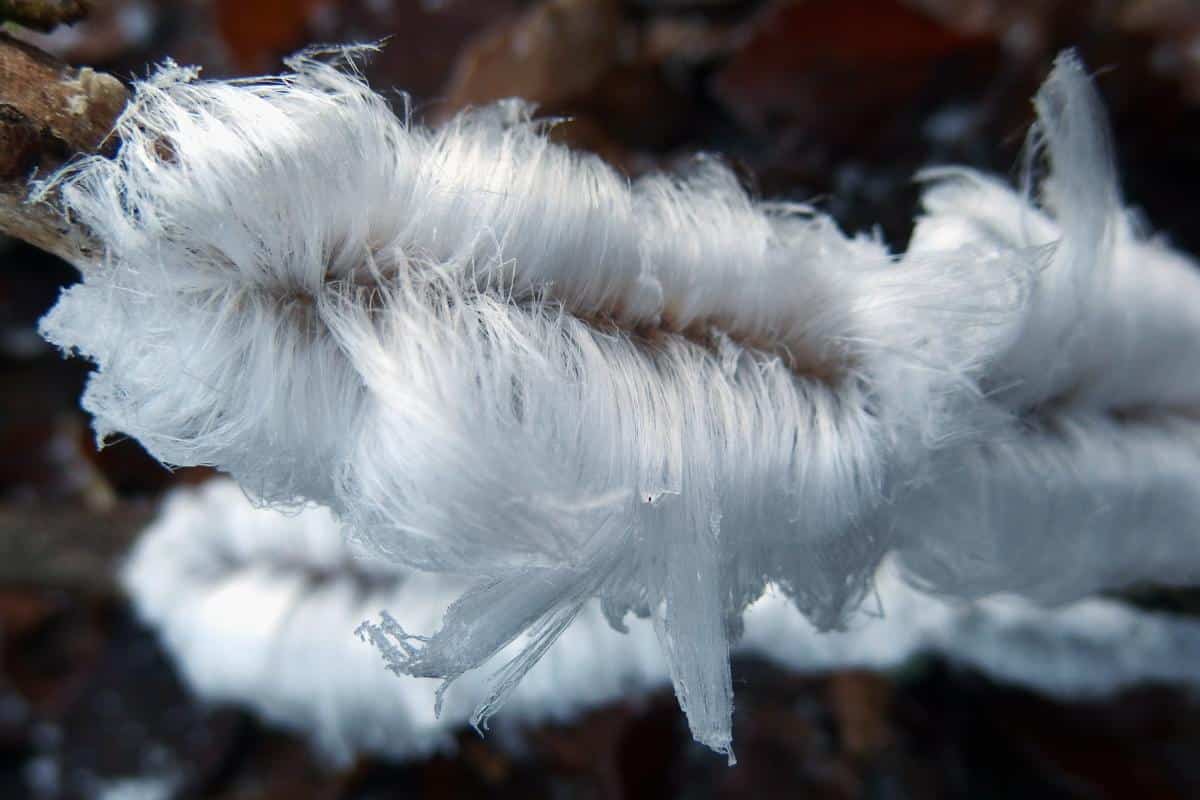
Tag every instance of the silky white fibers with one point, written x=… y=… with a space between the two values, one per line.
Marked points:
x=256 y=608
x=498 y=359
x=1076 y=504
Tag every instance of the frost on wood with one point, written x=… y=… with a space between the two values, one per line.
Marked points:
x=498 y=359
x=256 y=608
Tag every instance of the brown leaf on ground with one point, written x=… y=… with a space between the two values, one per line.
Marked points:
x=817 y=67
x=555 y=51
x=861 y=703
x=255 y=30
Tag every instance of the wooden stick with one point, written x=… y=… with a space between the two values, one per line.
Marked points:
x=49 y=114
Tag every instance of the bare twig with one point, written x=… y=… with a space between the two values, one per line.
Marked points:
x=49 y=113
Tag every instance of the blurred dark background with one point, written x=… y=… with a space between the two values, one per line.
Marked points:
x=832 y=102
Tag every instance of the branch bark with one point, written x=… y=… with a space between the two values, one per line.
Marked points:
x=49 y=114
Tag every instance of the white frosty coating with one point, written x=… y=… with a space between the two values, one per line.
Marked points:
x=259 y=607
x=256 y=608
x=1079 y=504
x=498 y=359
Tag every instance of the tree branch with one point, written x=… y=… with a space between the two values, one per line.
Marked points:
x=49 y=113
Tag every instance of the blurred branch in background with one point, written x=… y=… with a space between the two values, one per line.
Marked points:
x=75 y=549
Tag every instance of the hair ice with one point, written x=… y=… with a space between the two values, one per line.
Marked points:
x=496 y=358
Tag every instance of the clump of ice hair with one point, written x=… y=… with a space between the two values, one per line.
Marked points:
x=497 y=358
x=255 y=607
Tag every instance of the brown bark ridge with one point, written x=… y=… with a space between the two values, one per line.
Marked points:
x=49 y=114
